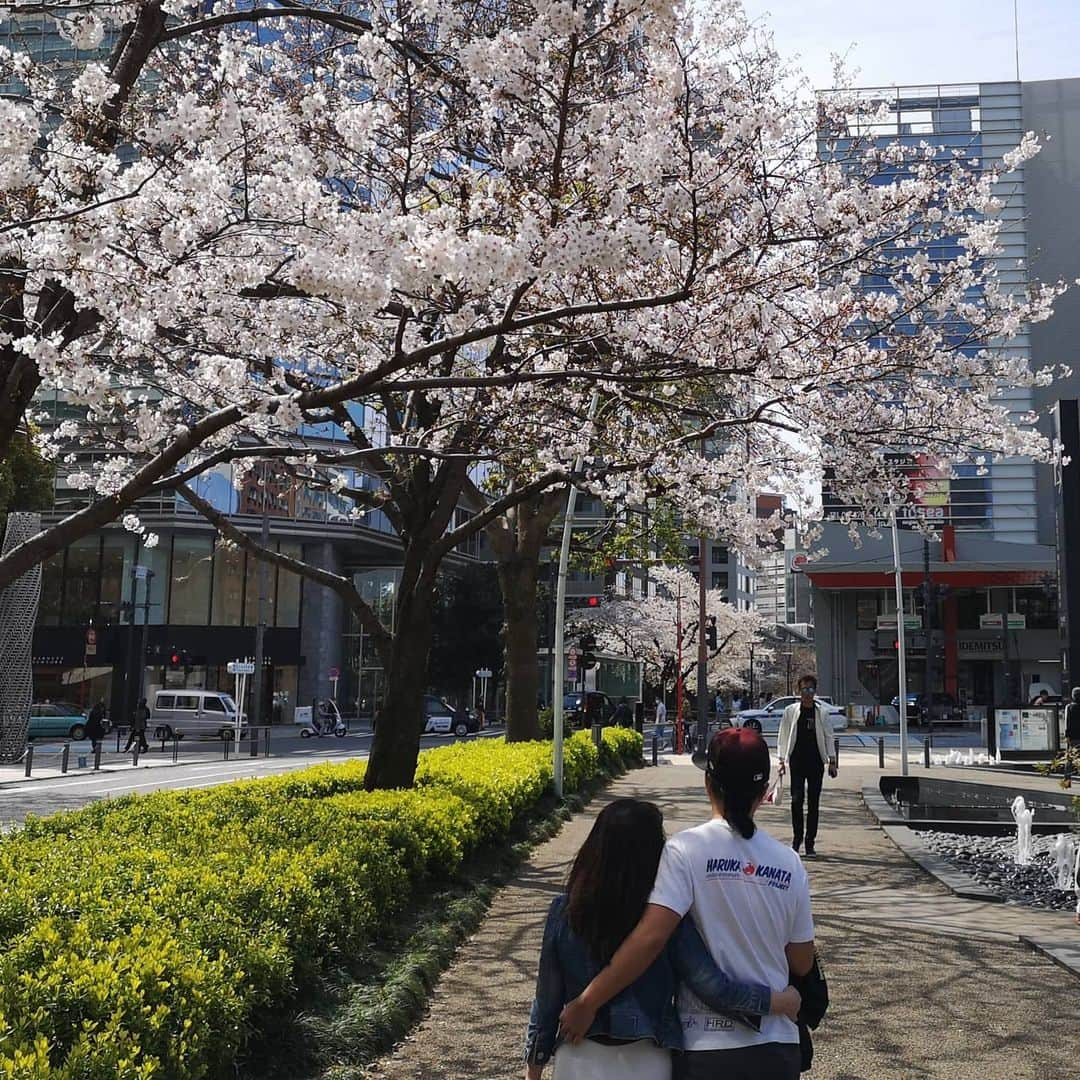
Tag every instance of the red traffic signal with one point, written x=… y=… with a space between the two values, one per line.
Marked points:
x=593 y=601
x=174 y=658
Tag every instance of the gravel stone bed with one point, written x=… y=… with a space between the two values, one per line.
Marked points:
x=990 y=860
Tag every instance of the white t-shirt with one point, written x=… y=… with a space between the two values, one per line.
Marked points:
x=748 y=899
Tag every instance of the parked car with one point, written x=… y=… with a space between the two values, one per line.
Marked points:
x=583 y=709
x=191 y=713
x=442 y=718
x=767 y=719
x=56 y=720
x=943 y=709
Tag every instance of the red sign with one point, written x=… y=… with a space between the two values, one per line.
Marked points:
x=798 y=562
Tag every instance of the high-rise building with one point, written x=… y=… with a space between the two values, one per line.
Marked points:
x=981 y=600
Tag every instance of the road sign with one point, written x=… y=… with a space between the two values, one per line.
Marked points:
x=240 y=667
x=91 y=642
x=571 y=667
x=484 y=673
x=142 y=572
x=335 y=673
x=799 y=561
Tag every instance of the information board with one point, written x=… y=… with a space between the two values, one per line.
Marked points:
x=1036 y=732
x=1007 y=722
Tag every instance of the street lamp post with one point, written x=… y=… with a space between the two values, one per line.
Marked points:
x=901 y=654
x=560 y=618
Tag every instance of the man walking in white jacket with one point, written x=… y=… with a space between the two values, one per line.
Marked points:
x=803 y=749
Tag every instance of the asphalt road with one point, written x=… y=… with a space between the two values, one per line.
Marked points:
x=290 y=752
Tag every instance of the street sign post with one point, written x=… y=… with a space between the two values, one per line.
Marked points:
x=240 y=669
x=335 y=674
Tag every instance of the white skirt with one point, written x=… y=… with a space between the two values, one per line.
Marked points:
x=641 y=1060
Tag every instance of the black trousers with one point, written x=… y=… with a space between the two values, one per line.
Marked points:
x=808 y=776
x=769 y=1061
x=141 y=736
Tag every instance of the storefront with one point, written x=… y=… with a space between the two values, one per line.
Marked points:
x=980 y=620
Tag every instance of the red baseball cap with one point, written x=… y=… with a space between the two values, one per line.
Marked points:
x=738 y=757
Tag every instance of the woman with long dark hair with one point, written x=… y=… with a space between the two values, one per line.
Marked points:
x=749 y=896
x=607 y=891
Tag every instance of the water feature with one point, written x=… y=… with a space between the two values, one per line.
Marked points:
x=1023 y=845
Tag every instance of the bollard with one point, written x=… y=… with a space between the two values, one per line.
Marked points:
x=175 y=749
x=225 y=747
x=266 y=742
x=881 y=752
x=118 y=730
x=836 y=751
x=655 y=748
x=597 y=735
x=926 y=753
x=253 y=742
x=29 y=758
x=135 y=754
x=64 y=754
x=97 y=755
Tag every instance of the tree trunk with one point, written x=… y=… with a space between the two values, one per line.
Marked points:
x=517 y=579
x=401 y=719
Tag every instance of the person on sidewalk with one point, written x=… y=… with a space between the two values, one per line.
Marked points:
x=661 y=718
x=749 y=895
x=803 y=749
x=607 y=890
x=139 y=721
x=95 y=725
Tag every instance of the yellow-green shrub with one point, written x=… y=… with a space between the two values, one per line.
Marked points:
x=144 y=937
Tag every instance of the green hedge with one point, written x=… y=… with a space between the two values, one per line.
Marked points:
x=145 y=936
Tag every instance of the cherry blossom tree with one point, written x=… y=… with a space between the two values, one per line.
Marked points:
x=648 y=627
x=466 y=221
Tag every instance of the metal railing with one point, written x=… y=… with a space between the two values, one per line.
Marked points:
x=258 y=739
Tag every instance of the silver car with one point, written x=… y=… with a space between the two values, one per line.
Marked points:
x=194 y=713
x=767 y=719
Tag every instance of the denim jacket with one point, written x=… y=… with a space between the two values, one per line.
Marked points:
x=646 y=1008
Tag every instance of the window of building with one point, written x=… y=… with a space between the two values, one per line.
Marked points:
x=113 y=550
x=287 y=607
x=228 y=593
x=1039 y=607
x=719 y=579
x=82 y=577
x=52 y=590
x=719 y=554
x=189 y=603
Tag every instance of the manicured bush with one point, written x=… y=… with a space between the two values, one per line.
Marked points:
x=144 y=937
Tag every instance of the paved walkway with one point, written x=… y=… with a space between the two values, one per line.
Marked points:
x=922 y=984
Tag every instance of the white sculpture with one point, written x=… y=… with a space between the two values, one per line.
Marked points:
x=970 y=759
x=1064 y=863
x=1023 y=818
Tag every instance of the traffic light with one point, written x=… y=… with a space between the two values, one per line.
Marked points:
x=710 y=632
x=175 y=657
x=588 y=652
x=593 y=601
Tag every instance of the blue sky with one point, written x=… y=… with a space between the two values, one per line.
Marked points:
x=905 y=42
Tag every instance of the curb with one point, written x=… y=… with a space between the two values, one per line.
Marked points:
x=1063 y=953
x=896 y=828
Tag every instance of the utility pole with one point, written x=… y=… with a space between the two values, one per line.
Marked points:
x=678 y=670
x=928 y=631
x=901 y=646
x=702 y=652
x=260 y=629
x=145 y=630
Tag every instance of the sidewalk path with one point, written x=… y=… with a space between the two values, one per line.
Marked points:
x=922 y=984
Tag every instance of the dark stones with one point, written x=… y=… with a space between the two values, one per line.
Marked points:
x=990 y=860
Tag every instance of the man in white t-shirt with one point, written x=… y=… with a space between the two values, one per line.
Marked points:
x=749 y=897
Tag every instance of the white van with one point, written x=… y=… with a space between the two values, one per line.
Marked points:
x=191 y=713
